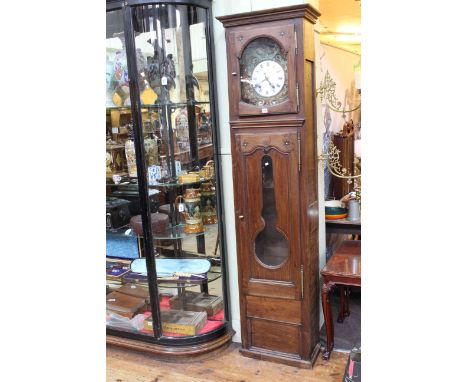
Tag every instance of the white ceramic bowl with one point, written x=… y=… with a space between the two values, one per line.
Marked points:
x=333 y=203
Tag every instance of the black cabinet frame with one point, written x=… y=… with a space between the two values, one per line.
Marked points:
x=127 y=7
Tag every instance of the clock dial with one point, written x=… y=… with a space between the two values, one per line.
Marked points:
x=268 y=78
x=264 y=73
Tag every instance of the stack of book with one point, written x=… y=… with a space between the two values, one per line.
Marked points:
x=199 y=302
x=123 y=304
x=114 y=275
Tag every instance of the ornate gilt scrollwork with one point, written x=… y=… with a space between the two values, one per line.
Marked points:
x=331 y=159
x=327 y=95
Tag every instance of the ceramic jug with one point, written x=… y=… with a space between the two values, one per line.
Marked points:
x=208 y=203
x=191 y=210
x=354 y=210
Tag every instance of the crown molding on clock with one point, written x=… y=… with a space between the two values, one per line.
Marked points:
x=294 y=11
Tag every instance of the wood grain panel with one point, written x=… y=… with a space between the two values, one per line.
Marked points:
x=274 y=309
x=271 y=335
x=270 y=288
x=281 y=146
x=284 y=142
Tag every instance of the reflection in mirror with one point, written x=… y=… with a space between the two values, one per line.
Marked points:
x=271 y=246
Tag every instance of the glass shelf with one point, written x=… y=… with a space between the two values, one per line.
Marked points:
x=178 y=184
x=181 y=283
x=122 y=192
x=160 y=105
x=121 y=231
x=154 y=187
x=185 y=152
x=211 y=276
x=174 y=233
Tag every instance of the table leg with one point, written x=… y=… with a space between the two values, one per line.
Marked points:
x=347 y=293
x=341 y=315
x=327 y=314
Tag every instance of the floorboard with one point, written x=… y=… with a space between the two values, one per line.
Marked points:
x=226 y=366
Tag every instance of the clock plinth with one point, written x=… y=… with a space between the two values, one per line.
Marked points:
x=273 y=137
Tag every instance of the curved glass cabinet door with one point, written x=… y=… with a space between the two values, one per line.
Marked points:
x=167 y=62
x=172 y=62
x=126 y=301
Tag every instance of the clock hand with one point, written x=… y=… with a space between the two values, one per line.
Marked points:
x=254 y=84
x=266 y=78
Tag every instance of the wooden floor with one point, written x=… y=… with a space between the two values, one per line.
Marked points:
x=227 y=366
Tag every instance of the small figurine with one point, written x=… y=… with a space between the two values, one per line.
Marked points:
x=191 y=79
x=168 y=71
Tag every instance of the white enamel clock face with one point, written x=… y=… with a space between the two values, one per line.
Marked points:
x=268 y=78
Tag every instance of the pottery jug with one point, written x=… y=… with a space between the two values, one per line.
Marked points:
x=191 y=210
x=354 y=210
x=208 y=203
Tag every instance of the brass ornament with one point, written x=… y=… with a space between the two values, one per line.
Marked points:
x=331 y=159
x=327 y=95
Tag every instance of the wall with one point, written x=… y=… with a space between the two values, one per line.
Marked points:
x=340 y=64
x=221 y=8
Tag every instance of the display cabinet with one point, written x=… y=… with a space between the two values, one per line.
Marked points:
x=165 y=258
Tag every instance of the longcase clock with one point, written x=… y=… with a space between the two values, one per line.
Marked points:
x=272 y=111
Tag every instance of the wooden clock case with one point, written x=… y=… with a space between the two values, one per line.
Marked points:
x=279 y=303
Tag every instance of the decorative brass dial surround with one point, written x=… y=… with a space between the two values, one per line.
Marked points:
x=264 y=73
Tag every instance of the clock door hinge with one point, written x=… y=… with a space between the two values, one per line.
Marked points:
x=295 y=40
x=302 y=282
x=297 y=96
x=299 y=151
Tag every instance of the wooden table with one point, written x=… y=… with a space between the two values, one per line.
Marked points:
x=343 y=226
x=343 y=268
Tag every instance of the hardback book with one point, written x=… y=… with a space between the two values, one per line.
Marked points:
x=114 y=283
x=117 y=272
x=135 y=290
x=113 y=262
x=199 y=302
x=137 y=278
x=123 y=304
x=180 y=322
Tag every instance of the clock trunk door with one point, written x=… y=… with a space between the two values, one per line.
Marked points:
x=268 y=214
x=263 y=70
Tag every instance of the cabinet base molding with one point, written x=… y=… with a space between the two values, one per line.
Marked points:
x=284 y=358
x=174 y=353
